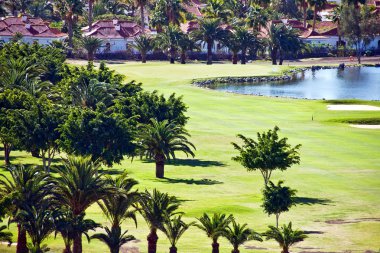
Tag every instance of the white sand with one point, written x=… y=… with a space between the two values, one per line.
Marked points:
x=353 y=108
x=366 y=126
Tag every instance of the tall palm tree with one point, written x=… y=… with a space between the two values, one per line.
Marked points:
x=160 y=140
x=141 y=4
x=285 y=236
x=143 y=44
x=69 y=10
x=257 y=17
x=174 y=228
x=233 y=45
x=78 y=186
x=209 y=31
x=217 y=9
x=168 y=41
x=90 y=13
x=91 y=45
x=156 y=207
x=173 y=10
x=238 y=234
x=336 y=17
x=114 y=238
x=24 y=187
x=303 y=6
x=316 y=5
x=5 y=236
x=214 y=227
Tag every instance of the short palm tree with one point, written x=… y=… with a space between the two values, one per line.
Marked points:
x=209 y=31
x=233 y=45
x=246 y=40
x=156 y=208
x=238 y=234
x=91 y=45
x=24 y=187
x=214 y=227
x=4 y=235
x=168 y=41
x=285 y=236
x=160 y=140
x=78 y=186
x=113 y=238
x=143 y=44
x=174 y=228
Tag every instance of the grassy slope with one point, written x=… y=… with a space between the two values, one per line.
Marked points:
x=338 y=176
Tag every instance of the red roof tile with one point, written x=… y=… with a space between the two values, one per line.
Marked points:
x=106 y=29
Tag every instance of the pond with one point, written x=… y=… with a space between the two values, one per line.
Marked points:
x=350 y=83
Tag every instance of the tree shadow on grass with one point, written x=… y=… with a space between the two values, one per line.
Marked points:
x=311 y=201
x=195 y=163
x=203 y=181
x=111 y=172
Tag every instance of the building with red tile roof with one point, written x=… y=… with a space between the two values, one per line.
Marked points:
x=32 y=30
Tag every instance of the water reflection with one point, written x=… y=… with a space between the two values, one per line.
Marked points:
x=358 y=82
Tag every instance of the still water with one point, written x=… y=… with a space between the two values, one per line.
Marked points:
x=357 y=82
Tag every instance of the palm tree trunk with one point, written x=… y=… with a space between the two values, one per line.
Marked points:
x=215 y=247
x=234 y=58
x=142 y=14
x=277 y=217
x=160 y=166
x=21 y=240
x=77 y=245
x=143 y=57
x=67 y=249
x=209 y=52
x=152 y=241
x=7 y=151
x=285 y=250
x=70 y=35
x=183 y=57
x=235 y=250
x=314 y=17
x=173 y=249
x=281 y=57
x=274 y=56
x=90 y=14
x=304 y=15
x=172 y=55
x=243 y=56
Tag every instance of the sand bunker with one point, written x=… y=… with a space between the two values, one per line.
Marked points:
x=366 y=126
x=353 y=108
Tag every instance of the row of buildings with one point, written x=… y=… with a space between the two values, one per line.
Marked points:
x=118 y=35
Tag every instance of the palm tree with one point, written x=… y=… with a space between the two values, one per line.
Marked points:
x=90 y=13
x=160 y=140
x=239 y=234
x=214 y=227
x=143 y=44
x=316 y=5
x=285 y=236
x=257 y=17
x=209 y=31
x=91 y=45
x=113 y=238
x=24 y=188
x=78 y=186
x=185 y=44
x=336 y=17
x=141 y=4
x=69 y=10
x=168 y=41
x=174 y=228
x=5 y=236
x=37 y=221
x=156 y=207
x=217 y=9
x=173 y=9
x=246 y=39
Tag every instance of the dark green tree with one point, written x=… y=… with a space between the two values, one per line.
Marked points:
x=174 y=228
x=267 y=154
x=238 y=234
x=143 y=44
x=91 y=45
x=277 y=199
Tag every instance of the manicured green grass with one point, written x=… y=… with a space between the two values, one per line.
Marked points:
x=338 y=178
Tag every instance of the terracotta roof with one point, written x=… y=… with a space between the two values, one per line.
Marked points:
x=189 y=26
x=34 y=27
x=106 y=29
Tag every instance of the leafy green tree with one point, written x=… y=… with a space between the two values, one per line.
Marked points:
x=143 y=44
x=161 y=140
x=24 y=188
x=113 y=238
x=238 y=234
x=267 y=154
x=91 y=45
x=277 y=199
x=156 y=208
x=106 y=138
x=79 y=185
x=214 y=227
x=359 y=26
x=209 y=31
x=285 y=236
x=168 y=41
x=174 y=228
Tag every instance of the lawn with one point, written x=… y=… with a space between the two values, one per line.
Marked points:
x=337 y=181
